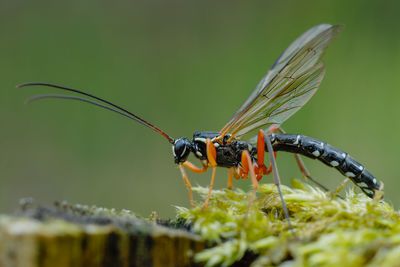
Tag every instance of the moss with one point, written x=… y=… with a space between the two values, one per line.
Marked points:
x=327 y=231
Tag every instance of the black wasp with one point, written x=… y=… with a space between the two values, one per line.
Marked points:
x=289 y=84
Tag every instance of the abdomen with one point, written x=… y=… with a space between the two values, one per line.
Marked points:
x=329 y=155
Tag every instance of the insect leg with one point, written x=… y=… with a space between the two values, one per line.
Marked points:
x=340 y=188
x=194 y=168
x=187 y=184
x=247 y=167
x=261 y=169
x=306 y=173
x=236 y=173
x=212 y=159
x=243 y=170
x=230 y=178
x=277 y=180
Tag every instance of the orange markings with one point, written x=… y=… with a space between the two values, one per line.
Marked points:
x=249 y=168
x=194 y=168
x=211 y=153
x=212 y=159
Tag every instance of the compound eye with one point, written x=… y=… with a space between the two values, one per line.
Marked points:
x=180 y=149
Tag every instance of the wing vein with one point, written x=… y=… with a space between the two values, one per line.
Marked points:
x=289 y=84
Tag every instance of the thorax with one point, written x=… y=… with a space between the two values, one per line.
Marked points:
x=228 y=153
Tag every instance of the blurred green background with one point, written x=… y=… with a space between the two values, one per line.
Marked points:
x=185 y=66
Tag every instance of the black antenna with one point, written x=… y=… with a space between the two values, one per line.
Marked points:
x=71 y=97
x=118 y=109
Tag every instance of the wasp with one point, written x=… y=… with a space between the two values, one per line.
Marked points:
x=290 y=83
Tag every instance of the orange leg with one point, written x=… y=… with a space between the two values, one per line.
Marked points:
x=247 y=167
x=231 y=172
x=306 y=173
x=187 y=184
x=194 y=168
x=236 y=173
x=212 y=160
x=261 y=169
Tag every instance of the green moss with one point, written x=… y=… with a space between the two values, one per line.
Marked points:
x=327 y=231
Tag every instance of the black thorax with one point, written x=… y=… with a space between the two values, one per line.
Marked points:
x=228 y=154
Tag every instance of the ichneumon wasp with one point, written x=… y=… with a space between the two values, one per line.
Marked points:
x=289 y=84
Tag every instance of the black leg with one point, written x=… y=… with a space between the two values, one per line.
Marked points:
x=277 y=180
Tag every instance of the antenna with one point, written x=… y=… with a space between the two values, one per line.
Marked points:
x=115 y=108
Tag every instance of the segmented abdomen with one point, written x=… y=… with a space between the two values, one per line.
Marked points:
x=332 y=157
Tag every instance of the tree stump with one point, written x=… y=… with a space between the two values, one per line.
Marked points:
x=75 y=235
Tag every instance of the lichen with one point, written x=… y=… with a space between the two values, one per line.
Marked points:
x=326 y=231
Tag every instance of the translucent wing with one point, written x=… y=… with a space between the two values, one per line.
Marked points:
x=290 y=83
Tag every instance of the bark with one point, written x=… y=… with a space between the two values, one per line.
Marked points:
x=65 y=235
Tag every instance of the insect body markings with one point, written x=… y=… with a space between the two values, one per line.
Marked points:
x=289 y=84
x=228 y=154
x=331 y=156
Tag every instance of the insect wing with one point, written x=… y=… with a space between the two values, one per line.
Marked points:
x=289 y=84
